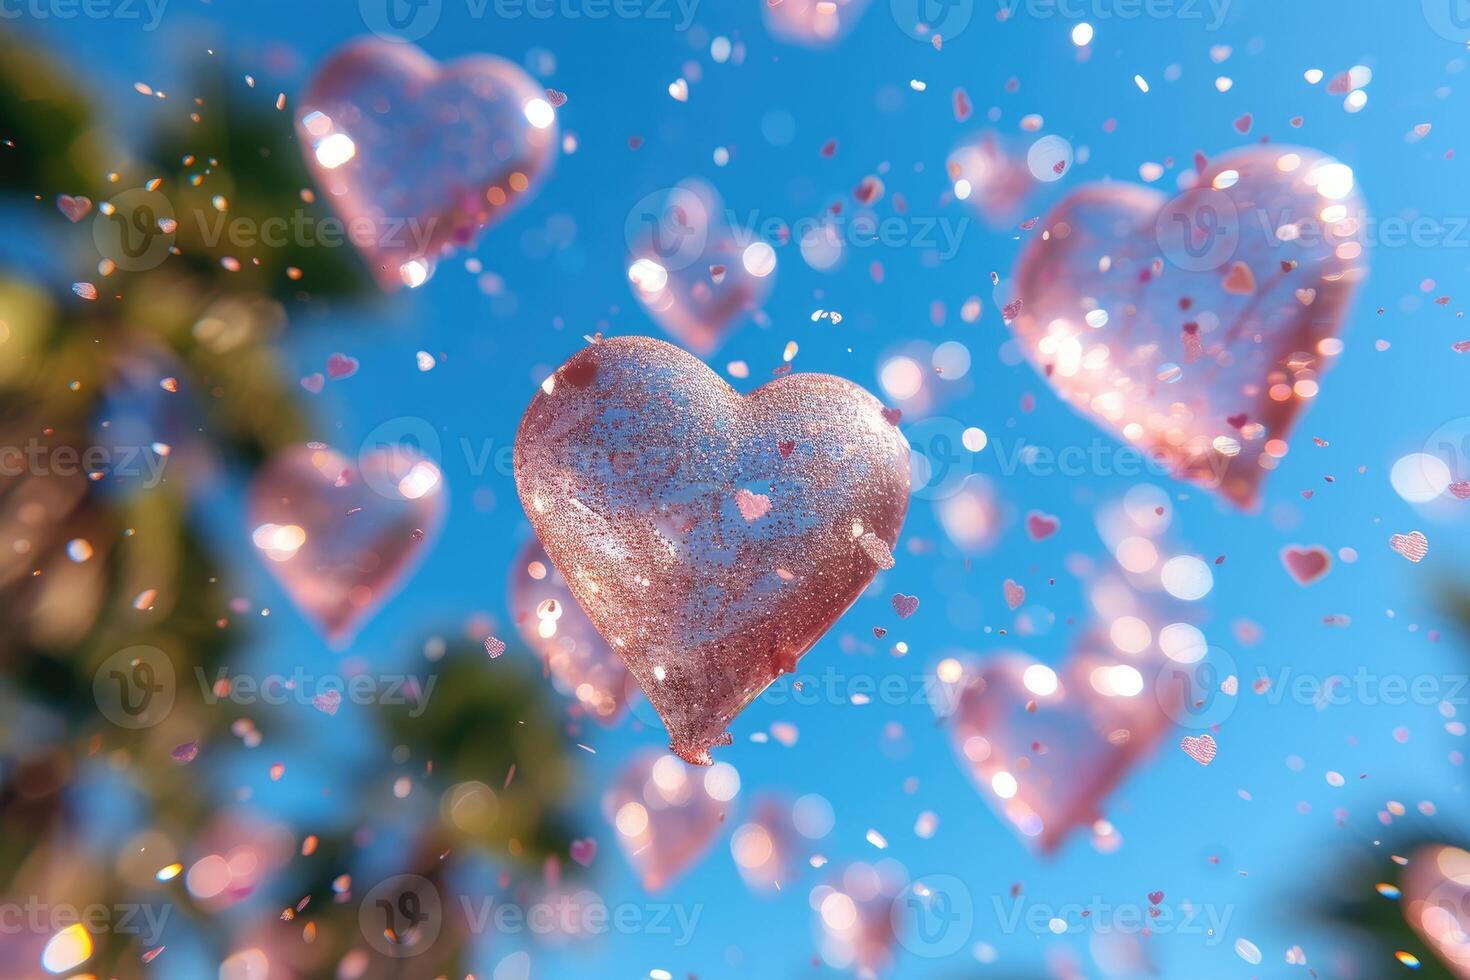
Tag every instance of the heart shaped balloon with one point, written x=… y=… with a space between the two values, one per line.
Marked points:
x=1199 y=327
x=1047 y=749
x=416 y=157
x=991 y=177
x=692 y=273
x=711 y=539
x=765 y=847
x=1436 y=903
x=341 y=538
x=550 y=620
x=854 y=917
x=664 y=815
x=813 y=23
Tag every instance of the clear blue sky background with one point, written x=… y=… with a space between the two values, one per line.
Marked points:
x=1375 y=407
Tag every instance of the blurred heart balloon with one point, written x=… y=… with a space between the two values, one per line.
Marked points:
x=711 y=539
x=855 y=916
x=1046 y=749
x=813 y=23
x=416 y=157
x=692 y=273
x=1197 y=327
x=765 y=846
x=665 y=815
x=991 y=176
x=550 y=620
x=1436 y=903
x=341 y=538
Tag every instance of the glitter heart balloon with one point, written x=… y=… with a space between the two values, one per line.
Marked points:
x=711 y=539
x=550 y=620
x=694 y=275
x=813 y=23
x=1198 y=327
x=665 y=815
x=1436 y=903
x=417 y=158
x=1047 y=750
x=341 y=538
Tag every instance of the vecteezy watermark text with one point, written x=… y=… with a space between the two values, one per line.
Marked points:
x=150 y=12
x=411 y=20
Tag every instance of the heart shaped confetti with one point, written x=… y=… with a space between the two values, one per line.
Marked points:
x=1413 y=546
x=583 y=851
x=627 y=463
x=1166 y=319
x=1306 y=565
x=905 y=605
x=1041 y=526
x=75 y=208
x=1200 y=748
x=1015 y=594
x=418 y=158
x=341 y=366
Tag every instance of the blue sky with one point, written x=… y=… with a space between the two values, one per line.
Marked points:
x=1267 y=818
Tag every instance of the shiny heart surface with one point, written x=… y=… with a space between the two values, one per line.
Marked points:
x=1197 y=327
x=551 y=622
x=1436 y=903
x=664 y=816
x=1047 y=750
x=629 y=462
x=342 y=537
x=417 y=158
x=693 y=274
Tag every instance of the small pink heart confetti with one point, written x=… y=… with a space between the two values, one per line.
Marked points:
x=341 y=366
x=1230 y=685
x=583 y=851
x=327 y=702
x=314 y=382
x=75 y=208
x=1240 y=281
x=1155 y=898
x=905 y=605
x=879 y=632
x=1200 y=748
x=1306 y=565
x=1041 y=526
x=186 y=753
x=1015 y=594
x=753 y=506
x=494 y=647
x=1413 y=546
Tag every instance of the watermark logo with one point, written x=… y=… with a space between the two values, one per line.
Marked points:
x=414 y=437
x=938 y=459
x=135 y=688
x=923 y=20
x=934 y=916
x=670 y=226
x=1199 y=687
x=401 y=20
x=150 y=12
x=401 y=916
x=135 y=230
x=1198 y=230
x=1209 y=13
x=1450 y=19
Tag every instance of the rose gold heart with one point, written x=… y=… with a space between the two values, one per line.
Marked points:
x=75 y=208
x=1200 y=748
x=1413 y=546
x=628 y=462
x=1015 y=594
x=1163 y=318
x=417 y=157
x=1306 y=565
x=1041 y=526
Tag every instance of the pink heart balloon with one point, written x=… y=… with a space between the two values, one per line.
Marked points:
x=693 y=274
x=1436 y=903
x=1046 y=749
x=765 y=847
x=854 y=917
x=1199 y=327
x=991 y=177
x=550 y=620
x=631 y=463
x=341 y=538
x=664 y=816
x=813 y=23
x=417 y=158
